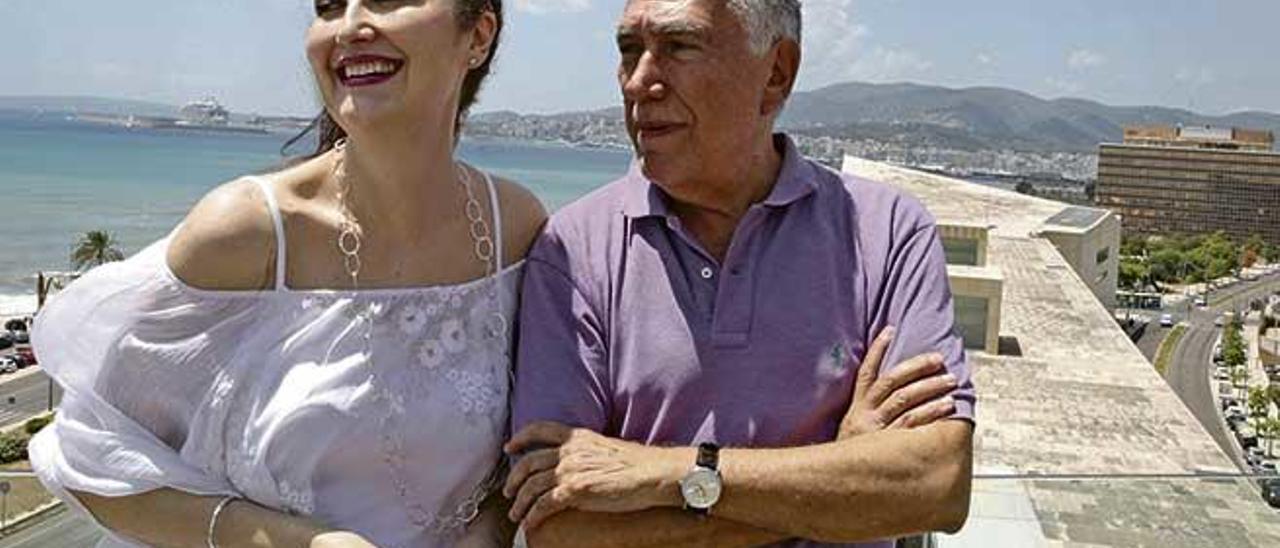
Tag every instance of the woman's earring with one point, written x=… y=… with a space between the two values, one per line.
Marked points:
x=473 y=62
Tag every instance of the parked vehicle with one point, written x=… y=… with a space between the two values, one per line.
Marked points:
x=1236 y=422
x=1248 y=439
x=1201 y=303
x=6 y=341
x=28 y=355
x=8 y=364
x=1220 y=374
x=20 y=337
x=1166 y=320
x=1271 y=492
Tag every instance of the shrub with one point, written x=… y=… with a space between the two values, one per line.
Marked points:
x=13 y=448
x=36 y=423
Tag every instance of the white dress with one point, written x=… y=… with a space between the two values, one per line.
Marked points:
x=271 y=395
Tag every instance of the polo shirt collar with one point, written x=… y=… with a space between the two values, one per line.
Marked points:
x=795 y=181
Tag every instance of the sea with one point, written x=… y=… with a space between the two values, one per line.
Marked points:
x=60 y=178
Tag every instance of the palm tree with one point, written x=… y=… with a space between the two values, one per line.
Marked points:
x=95 y=248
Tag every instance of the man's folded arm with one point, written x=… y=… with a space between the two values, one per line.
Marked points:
x=881 y=485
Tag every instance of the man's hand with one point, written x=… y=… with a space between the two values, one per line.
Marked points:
x=912 y=394
x=580 y=469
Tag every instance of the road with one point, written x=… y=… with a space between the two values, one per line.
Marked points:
x=1188 y=373
x=23 y=397
x=60 y=528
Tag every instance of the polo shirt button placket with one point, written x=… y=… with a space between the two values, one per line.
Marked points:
x=707 y=273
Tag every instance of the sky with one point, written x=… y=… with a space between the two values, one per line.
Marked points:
x=1212 y=56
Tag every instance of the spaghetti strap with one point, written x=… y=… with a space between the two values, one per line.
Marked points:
x=265 y=186
x=497 y=222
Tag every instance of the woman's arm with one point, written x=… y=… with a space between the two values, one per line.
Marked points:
x=172 y=518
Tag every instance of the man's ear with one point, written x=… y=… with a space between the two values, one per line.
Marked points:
x=785 y=56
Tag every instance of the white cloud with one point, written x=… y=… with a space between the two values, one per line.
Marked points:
x=1083 y=59
x=552 y=6
x=985 y=59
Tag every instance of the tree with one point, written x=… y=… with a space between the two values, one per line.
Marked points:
x=1257 y=402
x=1134 y=273
x=1269 y=428
x=95 y=248
x=1255 y=249
x=1273 y=394
x=1167 y=265
x=1239 y=377
x=1233 y=350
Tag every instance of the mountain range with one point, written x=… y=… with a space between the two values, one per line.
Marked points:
x=991 y=115
x=977 y=118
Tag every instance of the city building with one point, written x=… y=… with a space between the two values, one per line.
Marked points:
x=1192 y=180
x=1078 y=440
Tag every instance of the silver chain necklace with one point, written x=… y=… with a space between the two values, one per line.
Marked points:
x=392 y=439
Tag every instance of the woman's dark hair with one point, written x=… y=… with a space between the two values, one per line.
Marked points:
x=468 y=13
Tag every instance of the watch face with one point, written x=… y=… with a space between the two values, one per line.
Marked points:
x=701 y=488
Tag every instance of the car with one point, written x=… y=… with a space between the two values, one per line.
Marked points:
x=1271 y=492
x=1266 y=468
x=8 y=364
x=1166 y=320
x=1200 y=302
x=1221 y=374
x=20 y=337
x=28 y=355
x=6 y=341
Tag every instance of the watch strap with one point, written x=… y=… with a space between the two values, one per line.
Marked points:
x=709 y=456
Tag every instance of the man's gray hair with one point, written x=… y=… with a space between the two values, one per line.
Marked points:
x=768 y=21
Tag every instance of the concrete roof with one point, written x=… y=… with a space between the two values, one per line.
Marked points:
x=1080 y=400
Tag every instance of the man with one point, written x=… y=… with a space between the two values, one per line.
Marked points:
x=720 y=300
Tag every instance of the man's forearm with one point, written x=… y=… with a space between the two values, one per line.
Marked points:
x=881 y=485
x=654 y=528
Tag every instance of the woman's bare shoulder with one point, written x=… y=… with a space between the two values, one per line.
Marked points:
x=227 y=241
x=522 y=218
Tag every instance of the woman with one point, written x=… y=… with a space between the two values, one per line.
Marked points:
x=319 y=356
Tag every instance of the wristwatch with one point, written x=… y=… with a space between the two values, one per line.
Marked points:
x=701 y=487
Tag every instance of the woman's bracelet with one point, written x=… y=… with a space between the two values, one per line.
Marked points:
x=213 y=518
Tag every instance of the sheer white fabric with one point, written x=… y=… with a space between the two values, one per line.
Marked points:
x=269 y=395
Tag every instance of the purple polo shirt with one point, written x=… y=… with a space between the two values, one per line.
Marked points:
x=629 y=328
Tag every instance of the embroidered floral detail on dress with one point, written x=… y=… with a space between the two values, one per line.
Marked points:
x=431 y=354
x=453 y=336
x=412 y=320
x=478 y=393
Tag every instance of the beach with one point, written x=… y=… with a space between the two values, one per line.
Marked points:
x=60 y=178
